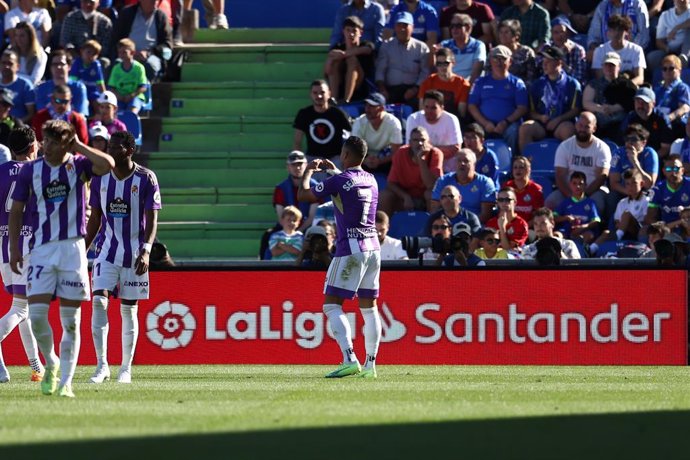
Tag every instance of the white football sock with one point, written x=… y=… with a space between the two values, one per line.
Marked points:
x=341 y=330
x=100 y=327
x=130 y=332
x=28 y=339
x=372 y=334
x=70 y=318
x=18 y=312
x=38 y=312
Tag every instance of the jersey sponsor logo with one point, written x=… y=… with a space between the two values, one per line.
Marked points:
x=157 y=197
x=170 y=325
x=68 y=283
x=56 y=191
x=368 y=232
x=319 y=187
x=321 y=131
x=136 y=283
x=118 y=208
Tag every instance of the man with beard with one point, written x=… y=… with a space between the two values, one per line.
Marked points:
x=586 y=153
x=22 y=89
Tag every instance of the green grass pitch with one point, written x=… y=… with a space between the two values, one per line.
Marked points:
x=288 y=411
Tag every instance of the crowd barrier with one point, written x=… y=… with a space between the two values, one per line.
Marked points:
x=573 y=316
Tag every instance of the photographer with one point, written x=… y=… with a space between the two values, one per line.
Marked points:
x=315 y=253
x=459 y=249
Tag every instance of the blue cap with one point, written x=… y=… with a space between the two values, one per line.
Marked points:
x=563 y=21
x=646 y=94
x=405 y=18
x=375 y=99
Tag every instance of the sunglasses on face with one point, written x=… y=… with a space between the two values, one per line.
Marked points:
x=442 y=64
x=668 y=69
x=59 y=101
x=491 y=241
x=504 y=200
x=457 y=26
x=450 y=197
x=671 y=168
x=440 y=227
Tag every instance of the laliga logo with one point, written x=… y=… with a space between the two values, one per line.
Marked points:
x=170 y=325
x=391 y=328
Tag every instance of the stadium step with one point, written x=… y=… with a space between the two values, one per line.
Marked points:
x=252 y=71
x=225 y=124
x=220 y=177
x=212 y=230
x=172 y=142
x=263 y=36
x=214 y=160
x=218 y=213
x=240 y=90
x=229 y=107
x=219 y=248
x=257 y=53
x=218 y=195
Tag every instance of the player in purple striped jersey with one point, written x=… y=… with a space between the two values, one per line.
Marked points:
x=356 y=266
x=22 y=142
x=54 y=188
x=123 y=222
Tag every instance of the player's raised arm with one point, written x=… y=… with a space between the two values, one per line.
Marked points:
x=304 y=192
x=15 y=226
x=102 y=162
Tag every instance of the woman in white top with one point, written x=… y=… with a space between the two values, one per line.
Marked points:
x=32 y=58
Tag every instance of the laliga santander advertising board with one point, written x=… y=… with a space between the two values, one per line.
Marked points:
x=564 y=317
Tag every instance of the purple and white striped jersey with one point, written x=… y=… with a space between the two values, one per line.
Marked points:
x=56 y=196
x=355 y=195
x=9 y=172
x=123 y=204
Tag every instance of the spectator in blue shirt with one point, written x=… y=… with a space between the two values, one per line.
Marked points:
x=671 y=195
x=673 y=95
x=470 y=53
x=498 y=101
x=371 y=14
x=555 y=101
x=426 y=24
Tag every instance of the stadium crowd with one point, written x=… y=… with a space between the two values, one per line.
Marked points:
x=510 y=121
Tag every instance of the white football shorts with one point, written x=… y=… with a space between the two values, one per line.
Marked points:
x=60 y=268
x=130 y=286
x=354 y=274
x=15 y=284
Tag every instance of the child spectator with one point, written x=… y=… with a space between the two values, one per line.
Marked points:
x=489 y=245
x=99 y=137
x=577 y=215
x=286 y=244
x=631 y=210
x=682 y=225
x=106 y=114
x=128 y=78
x=87 y=69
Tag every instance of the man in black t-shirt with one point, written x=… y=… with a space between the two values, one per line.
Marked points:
x=324 y=126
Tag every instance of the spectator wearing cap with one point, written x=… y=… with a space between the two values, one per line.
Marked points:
x=652 y=119
x=382 y=132
x=424 y=20
x=443 y=127
x=522 y=58
x=402 y=64
x=454 y=88
x=99 y=137
x=60 y=108
x=350 y=62
x=369 y=12
x=574 y=61
x=632 y=55
x=451 y=207
x=7 y=121
x=555 y=101
x=609 y=97
x=414 y=171
x=107 y=113
x=22 y=89
x=672 y=35
x=487 y=162
x=482 y=19
x=498 y=101
x=635 y=10
x=470 y=53
x=534 y=19
x=673 y=94
x=391 y=248
x=460 y=255
x=285 y=193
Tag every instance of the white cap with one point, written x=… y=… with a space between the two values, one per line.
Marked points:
x=107 y=97
x=99 y=130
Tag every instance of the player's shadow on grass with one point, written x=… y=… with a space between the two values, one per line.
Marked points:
x=644 y=435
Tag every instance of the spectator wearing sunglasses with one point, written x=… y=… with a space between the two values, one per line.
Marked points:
x=673 y=95
x=454 y=88
x=490 y=245
x=470 y=53
x=511 y=228
x=60 y=108
x=652 y=119
x=670 y=195
x=451 y=201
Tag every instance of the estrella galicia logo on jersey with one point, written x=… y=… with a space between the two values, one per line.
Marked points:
x=118 y=208
x=319 y=187
x=321 y=131
x=56 y=191
x=170 y=325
